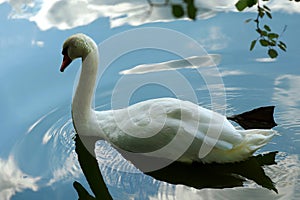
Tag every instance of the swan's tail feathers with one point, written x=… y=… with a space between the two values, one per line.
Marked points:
x=259 y=118
x=255 y=139
x=251 y=141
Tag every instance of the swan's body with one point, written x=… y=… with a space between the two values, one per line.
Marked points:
x=153 y=124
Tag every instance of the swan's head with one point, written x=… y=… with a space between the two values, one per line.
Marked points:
x=76 y=46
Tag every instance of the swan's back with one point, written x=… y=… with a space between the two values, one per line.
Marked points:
x=151 y=125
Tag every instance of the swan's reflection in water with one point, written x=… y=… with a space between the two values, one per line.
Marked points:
x=219 y=175
x=245 y=179
x=199 y=175
x=55 y=162
x=285 y=174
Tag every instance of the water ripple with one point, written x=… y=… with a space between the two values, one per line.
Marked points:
x=47 y=148
x=109 y=157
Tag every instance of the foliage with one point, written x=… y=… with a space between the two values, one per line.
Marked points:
x=188 y=9
x=266 y=37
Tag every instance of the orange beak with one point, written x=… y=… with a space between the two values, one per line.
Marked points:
x=66 y=61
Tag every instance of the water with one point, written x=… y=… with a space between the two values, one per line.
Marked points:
x=38 y=158
x=46 y=151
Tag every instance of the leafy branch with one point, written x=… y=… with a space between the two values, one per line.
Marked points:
x=267 y=38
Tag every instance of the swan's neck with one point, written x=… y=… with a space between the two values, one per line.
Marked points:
x=82 y=102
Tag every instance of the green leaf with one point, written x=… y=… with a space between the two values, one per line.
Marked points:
x=272 y=53
x=192 y=11
x=273 y=35
x=177 y=10
x=252 y=45
x=261 y=14
x=264 y=42
x=258 y=30
x=251 y=3
x=282 y=47
x=269 y=14
x=266 y=8
x=261 y=32
x=267 y=28
x=248 y=20
x=272 y=43
x=264 y=33
x=282 y=43
x=242 y=4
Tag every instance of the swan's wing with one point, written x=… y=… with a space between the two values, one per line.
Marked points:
x=153 y=124
x=138 y=128
x=205 y=125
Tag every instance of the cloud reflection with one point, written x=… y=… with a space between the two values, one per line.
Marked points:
x=37 y=43
x=215 y=39
x=69 y=14
x=190 y=62
x=69 y=171
x=287 y=96
x=265 y=60
x=13 y=180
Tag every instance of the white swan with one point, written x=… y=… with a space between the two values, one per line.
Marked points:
x=153 y=124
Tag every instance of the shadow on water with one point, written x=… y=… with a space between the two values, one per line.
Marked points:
x=91 y=171
x=196 y=175
x=216 y=175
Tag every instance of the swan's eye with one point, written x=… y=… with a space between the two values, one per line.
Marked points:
x=65 y=51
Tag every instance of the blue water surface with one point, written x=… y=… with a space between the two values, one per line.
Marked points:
x=37 y=149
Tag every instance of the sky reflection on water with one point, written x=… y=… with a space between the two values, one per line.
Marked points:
x=37 y=157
